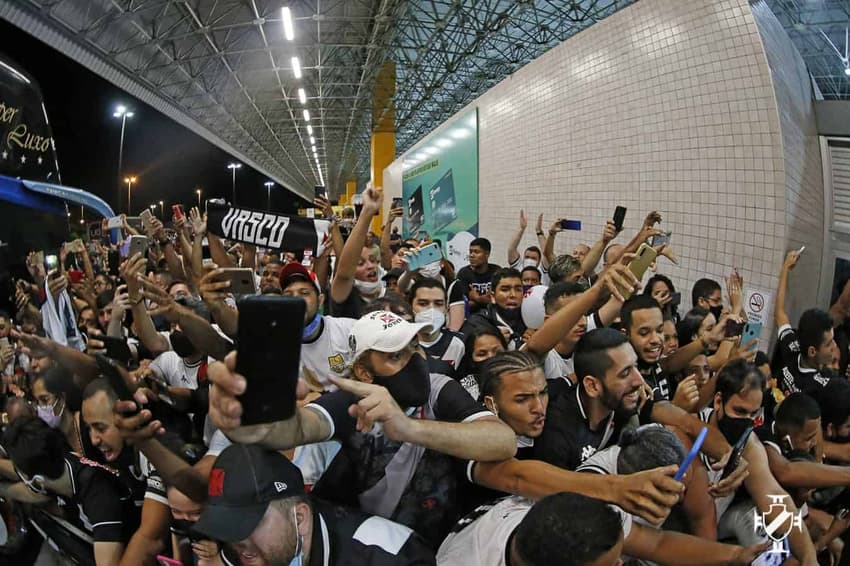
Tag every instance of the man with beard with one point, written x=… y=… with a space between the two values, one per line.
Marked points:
x=402 y=470
x=505 y=311
x=590 y=415
x=357 y=282
x=324 y=341
x=737 y=405
x=270 y=279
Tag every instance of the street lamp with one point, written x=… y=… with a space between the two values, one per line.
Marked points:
x=153 y=208
x=129 y=181
x=233 y=167
x=269 y=185
x=162 y=209
x=121 y=112
x=199 y=197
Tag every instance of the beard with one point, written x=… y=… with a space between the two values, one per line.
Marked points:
x=611 y=402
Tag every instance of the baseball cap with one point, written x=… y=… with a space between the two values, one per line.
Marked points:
x=382 y=331
x=244 y=479
x=394 y=273
x=294 y=270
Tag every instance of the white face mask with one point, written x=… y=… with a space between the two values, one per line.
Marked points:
x=528 y=262
x=436 y=318
x=431 y=270
x=367 y=287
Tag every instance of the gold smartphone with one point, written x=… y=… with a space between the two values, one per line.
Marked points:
x=646 y=255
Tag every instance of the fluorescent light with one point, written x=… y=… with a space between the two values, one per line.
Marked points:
x=847 y=70
x=312 y=140
x=296 y=67
x=302 y=96
x=443 y=142
x=288 y=30
x=431 y=150
x=459 y=133
x=129 y=114
x=421 y=156
x=313 y=148
x=306 y=115
x=309 y=130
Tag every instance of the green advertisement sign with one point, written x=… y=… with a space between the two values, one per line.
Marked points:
x=440 y=187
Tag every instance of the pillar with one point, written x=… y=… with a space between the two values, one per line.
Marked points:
x=383 y=130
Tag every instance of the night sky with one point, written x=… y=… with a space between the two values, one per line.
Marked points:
x=169 y=160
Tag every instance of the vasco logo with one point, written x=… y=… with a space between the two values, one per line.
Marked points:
x=780 y=527
x=389 y=320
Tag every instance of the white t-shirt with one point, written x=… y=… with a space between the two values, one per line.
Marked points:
x=327 y=355
x=175 y=371
x=556 y=367
x=544 y=273
x=314 y=459
x=483 y=534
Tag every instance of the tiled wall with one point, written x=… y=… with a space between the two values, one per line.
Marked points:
x=667 y=105
x=804 y=207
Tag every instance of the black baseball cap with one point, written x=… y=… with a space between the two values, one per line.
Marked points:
x=244 y=479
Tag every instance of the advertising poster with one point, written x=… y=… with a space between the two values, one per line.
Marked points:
x=440 y=188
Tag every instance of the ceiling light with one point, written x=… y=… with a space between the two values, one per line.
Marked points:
x=443 y=142
x=421 y=156
x=313 y=148
x=296 y=67
x=306 y=115
x=302 y=96
x=288 y=30
x=459 y=133
x=431 y=150
x=847 y=70
x=312 y=140
x=309 y=130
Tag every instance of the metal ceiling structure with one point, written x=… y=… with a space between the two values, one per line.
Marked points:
x=224 y=67
x=820 y=29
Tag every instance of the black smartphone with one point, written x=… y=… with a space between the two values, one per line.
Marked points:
x=733 y=328
x=397 y=202
x=619 y=217
x=114 y=262
x=676 y=299
x=268 y=355
x=571 y=224
x=116 y=348
x=737 y=453
x=319 y=191
x=160 y=388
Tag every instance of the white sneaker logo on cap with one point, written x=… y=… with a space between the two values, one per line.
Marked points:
x=280 y=486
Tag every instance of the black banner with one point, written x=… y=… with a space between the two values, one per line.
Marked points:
x=266 y=229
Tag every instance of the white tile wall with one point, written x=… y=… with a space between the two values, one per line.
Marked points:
x=667 y=105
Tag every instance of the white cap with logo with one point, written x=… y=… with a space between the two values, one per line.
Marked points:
x=382 y=331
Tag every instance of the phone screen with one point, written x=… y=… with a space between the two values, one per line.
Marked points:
x=319 y=191
x=269 y=336
x=570 y=224
x=733 y=328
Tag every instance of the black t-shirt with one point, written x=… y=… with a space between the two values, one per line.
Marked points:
x=352 y=307
x=426 y=480
x=793 y=378
x=567 y=440
x=655 y=377
x=473 y=495
x=468 y=279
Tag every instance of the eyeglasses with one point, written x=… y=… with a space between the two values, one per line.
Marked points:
x=34 y=484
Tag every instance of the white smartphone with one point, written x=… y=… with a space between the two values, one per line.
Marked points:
x=114 y=222
x=801 y=250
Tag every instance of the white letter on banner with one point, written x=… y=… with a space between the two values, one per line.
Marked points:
x=278 y=231
x=239 y=224
x=227 y=222
x=261 y=228
x=251 y=227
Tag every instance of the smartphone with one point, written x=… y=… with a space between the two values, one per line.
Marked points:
x=319 y=191
x=646 y=254
x=737 y=453
x=269 y=338
x=570 y=224
x=686 y=463
x=422 y=236
x=619 y=217
x=676 y=299
x=138 y=245
x=660 y=240
x=733 y=328
x=4 y=342
x=801 y=250
x=116 y=348
x=75 y=246
x=425 y=256
x=114 y=258
x=177 y=210
x=75 y=276
x=166 y=561
x=160 y=388
x=397 y=202
x=752 y=331
x=146 y=217
x=242 y=281
x=114 y=222
x=51 y=262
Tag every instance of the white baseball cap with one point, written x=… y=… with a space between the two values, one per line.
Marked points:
x=383 y=331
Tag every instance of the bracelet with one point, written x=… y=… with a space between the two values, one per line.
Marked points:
x=552 y=233
x=540 y=232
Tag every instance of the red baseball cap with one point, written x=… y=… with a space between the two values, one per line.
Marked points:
x=293 y=270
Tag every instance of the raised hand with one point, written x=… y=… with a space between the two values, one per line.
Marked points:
x=523 y=223
x=213 y=286
x=649 y=494
x=324 y=205
x=376 y=405
x=687 y=394
x=618 y=277
x=791 y=260
x=539 y=226
x=373 y=200
x=734 y=290
x=199 y=222
x=165 y=304
x=651 y=219
x=56 y=283
x=609 y=232
x=131 y=270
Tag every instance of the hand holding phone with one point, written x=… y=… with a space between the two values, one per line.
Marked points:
x=242 y=281
x=177 y=210
x=737 y=454
x=619 y=217
x=686 y=463
x=570 y=224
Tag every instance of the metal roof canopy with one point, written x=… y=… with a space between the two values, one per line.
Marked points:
x=222 y=67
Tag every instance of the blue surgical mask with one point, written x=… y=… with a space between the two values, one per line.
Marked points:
x=311 y=328
x=298 y=559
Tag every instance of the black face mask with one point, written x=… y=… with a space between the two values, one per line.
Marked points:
x=511 y=316
x=410 y=386
x=182 y=528
x=716 y=311
x=181 y=344
x=733 y=427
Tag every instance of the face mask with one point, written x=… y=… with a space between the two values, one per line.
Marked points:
x=410 y=386
x=431 y=270
x=298 y=559
x=435 y=317
x=181 y=344
x=528 y=262
x=181 y=527
x=367 y=287
x=311 y=328
x=48 y=416
x=511 y=316
x=733 y=427
x=716 y=311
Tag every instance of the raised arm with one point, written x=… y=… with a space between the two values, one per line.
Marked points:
x=549 y=246
x=591 y=260
x=386 y=232
x=131 y=273
x=545 y=261
x=213 y=287
x=513 y=245
x=343 y=281
x=81 y=365
x=780 y=317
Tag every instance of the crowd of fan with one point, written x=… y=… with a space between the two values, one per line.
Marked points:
x=434 y=423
